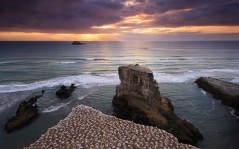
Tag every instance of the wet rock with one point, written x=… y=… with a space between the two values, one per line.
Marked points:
x=138 y=98
x=26 y=113
x=65 y=92
x=225 y=91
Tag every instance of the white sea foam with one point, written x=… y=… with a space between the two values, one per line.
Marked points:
x=121 y=58
x=233 y=113
x=236 y=80
x=89 y=59
x=193 y=75
x=61 y=105
x=84 y=80
x=180 y=78
x=231 y=71
x=204 y=93
x=55 y=107
x=66 y=62
x=158 y=59
x=5 y=62
x=87 y=80
x=82 y=97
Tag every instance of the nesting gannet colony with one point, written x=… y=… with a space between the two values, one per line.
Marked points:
x=88 y=128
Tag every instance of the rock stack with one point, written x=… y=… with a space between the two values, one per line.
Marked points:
x=138 y=98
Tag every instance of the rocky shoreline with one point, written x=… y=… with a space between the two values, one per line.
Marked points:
x=138 y=98
x=86 y=127
x=142 y=117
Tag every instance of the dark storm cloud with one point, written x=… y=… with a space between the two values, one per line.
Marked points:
x=57 y=15
x=78 y=16
x=194 y=13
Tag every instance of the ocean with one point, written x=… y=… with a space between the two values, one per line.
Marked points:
x=26 y=68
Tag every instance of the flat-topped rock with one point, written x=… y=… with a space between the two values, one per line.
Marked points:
x=138 y=81
x=138 y=98
x=137 y=69
x=225 y=91
x=86 y=128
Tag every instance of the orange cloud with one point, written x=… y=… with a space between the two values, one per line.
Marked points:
x=189 y=29
x=119 y=32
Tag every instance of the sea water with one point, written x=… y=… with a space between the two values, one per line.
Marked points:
x=28 y=67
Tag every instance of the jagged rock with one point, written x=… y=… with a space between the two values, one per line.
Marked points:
x=65 y=92
x=26 y=112
x=138 y=98
x=225 y=91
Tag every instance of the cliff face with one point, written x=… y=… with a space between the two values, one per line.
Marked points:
x=138 y=81
x=138 y=98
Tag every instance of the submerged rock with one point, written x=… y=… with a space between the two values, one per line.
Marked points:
x=138 y=98
x=26 y=112
x=65 y=92
x=225 y=91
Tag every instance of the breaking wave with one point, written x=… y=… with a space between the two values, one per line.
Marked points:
x=235 y=80
x=84 y=80
x=87 y=80
x=61 y=105
x=6 y=62
x=66 y=62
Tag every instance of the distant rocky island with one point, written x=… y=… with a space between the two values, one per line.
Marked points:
x=77 y=43
x=225 y=91
x=138 y=98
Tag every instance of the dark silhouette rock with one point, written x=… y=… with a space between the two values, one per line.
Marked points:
x=33 y=100
x=26 y=113
x=225 y=91
x=77 y=43
x=65 y=92
x=138 y=98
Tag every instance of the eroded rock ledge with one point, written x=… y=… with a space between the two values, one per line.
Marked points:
x=225 y=91
x=138 y=98
x=86 y=128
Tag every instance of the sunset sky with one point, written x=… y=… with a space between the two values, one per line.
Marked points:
x=119 y=20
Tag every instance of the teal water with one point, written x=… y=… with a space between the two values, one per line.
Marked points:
x=28 y=67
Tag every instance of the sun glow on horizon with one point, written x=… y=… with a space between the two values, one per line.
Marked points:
x=118 y=33
x=35 y=36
